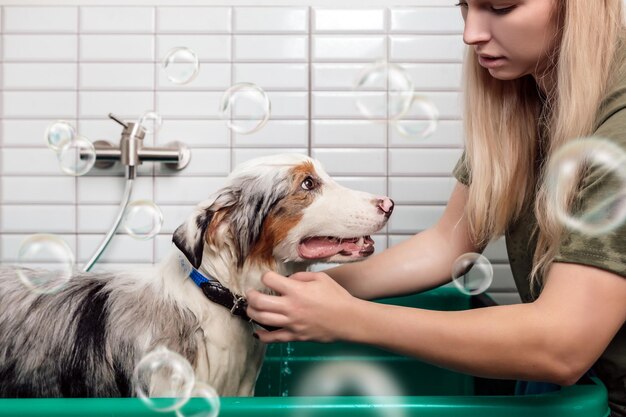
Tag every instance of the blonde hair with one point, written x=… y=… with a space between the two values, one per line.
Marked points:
x=504 y=121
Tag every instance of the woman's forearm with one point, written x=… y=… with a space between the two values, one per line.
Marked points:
x=511 y=342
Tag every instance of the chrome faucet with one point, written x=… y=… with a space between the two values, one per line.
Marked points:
x=132 y=153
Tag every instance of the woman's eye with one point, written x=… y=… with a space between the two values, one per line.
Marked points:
x=308 y=183
x=461 y=4
x=502 y=10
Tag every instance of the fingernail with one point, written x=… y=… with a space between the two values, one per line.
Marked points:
x=256 y=336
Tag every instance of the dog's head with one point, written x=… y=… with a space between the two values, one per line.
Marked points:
x=283 y=208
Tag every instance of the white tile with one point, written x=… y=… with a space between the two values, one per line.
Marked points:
x=35 y=161
x=174 y=216
x=288 y=104
x=27 y=133
x=38 y=190
x=195 y=133
x=273 y=76
x=38 y=104
x=426 y=190
x=423 y=162
x=271 y=48
x=204 y=161
x=122 y=248
x=349 y=20
x=448 y=105
x=438 y=76
x=341 y=48
x=124 y=48
x=426 y=19
x=40 y=47
x=97 y=219
x=352 y=162
x=163 y=246
x=496 y=251
x=206 y=47
x=413 y=219
x=337 y=76
x=139 y=76
x=348 y=133
x=271 y=19
x=426 y=48
x=285 y=133
x=245 y=154
x=188 y=104
x=185 y=190
x=106 y=190
x=372 y=185
x=116 y=19
x=193 y=19
x=103 y=129
x=32 y=76
x=40 y=19
x=38 y=219
x=210 y=76
x=126 y=104
x=131 y=267
x=503 y=298
x=334 y=105
x=11 y=243
x=449 y=133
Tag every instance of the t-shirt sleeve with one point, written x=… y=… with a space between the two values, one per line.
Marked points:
x=461 y=170
x=606 y=251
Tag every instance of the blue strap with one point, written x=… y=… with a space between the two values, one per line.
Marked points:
x=197 y=277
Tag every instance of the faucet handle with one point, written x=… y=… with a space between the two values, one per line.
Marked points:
x=117 y=119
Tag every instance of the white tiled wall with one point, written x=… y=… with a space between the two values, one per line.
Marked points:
x=81 y=61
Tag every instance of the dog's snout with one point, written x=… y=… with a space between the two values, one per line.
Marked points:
x=385 y=204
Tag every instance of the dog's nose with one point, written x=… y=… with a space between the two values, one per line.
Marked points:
x=386 y=205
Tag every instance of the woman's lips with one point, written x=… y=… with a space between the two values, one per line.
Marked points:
x=491 y=62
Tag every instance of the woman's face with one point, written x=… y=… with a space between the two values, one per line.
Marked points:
x=511 y=38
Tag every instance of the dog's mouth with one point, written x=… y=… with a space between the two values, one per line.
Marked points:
x=322 y=247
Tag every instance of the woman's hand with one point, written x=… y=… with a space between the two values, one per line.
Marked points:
x=311 y=306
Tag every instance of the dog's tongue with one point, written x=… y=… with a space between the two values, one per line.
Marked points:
x=323 y=247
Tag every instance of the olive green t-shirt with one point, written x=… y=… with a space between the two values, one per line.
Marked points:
x=607 y=251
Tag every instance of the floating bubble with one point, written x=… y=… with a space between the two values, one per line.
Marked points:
x=424 y=119
x=151 y=122
x=51 y=251
x=181 y=65
x=58 y=133
x=351 y=378
x=208 y=406
x=586 y=185
x=472 y=273
x=77 y=156
x=143 y=219
x=163 y=380
x=245 y=107
x=390 y=77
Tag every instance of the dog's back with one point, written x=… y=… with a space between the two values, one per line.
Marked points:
x=63 y=344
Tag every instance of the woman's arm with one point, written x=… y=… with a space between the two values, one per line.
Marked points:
x=556 y=339
x=418 y=264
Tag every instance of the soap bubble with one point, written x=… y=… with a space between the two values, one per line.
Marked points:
x=143 y=219
x=472 y=273
x=245 y=107
x=151 y=122
x=77 y=156
x=163 y=380
x=58 y=133
x=395 y=80
x=181 y=65
x=51 y=251
x=208 y=406
x=426 y=119
x=587 y=162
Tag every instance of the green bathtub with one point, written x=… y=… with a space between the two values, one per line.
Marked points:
x=420 y=390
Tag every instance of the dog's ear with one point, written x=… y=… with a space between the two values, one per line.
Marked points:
x=189 y=237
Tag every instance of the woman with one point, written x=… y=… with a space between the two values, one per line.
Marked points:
x=538 y=73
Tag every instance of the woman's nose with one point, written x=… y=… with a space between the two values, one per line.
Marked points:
x=476 y=30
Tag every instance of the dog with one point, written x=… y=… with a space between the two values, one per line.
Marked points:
x=280 y=213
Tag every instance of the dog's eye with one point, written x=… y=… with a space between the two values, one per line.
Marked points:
x=308 y=183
